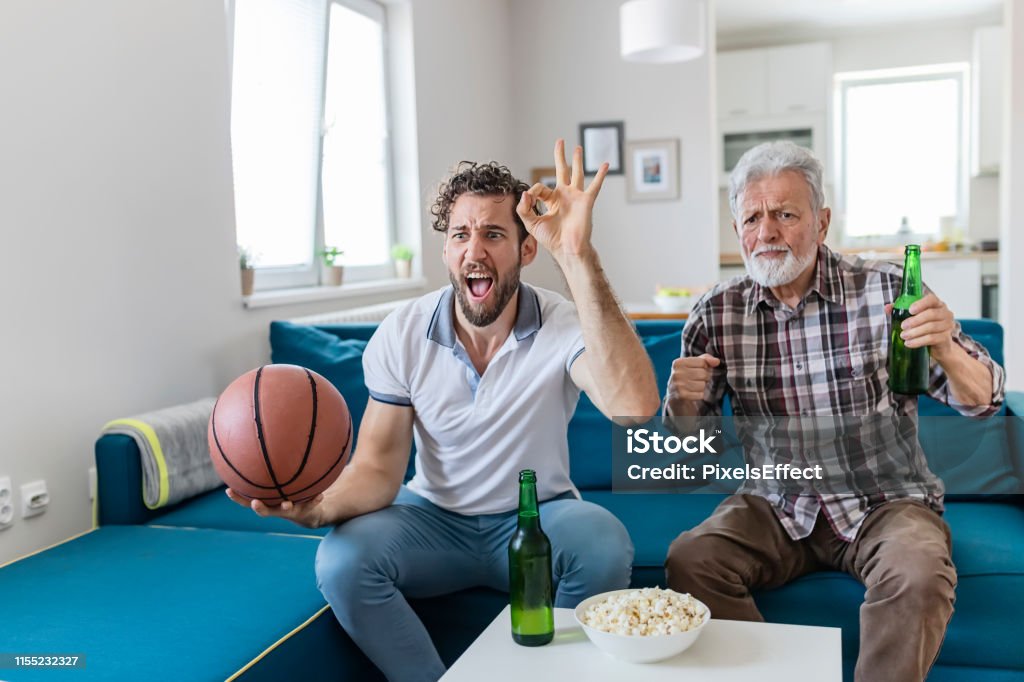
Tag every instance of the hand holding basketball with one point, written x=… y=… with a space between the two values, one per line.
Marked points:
x=306 y=514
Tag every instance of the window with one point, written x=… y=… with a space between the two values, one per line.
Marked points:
x=310 y=137
x=902 y=150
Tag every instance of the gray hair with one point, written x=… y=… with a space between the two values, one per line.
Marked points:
x=772 y=158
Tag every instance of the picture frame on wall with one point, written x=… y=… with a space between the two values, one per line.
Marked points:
x=602 y=142
x=652 y=170
x=546 y=176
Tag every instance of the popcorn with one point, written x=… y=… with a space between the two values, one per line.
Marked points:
x=648 y=612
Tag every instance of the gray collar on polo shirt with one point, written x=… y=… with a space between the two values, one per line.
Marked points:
x=442 y=325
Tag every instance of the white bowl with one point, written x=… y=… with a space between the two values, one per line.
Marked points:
x=674 y=304
x=635 y=648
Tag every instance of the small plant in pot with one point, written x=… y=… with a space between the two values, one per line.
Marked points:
x=247 y=270
x=333 y=270
x=402 y=255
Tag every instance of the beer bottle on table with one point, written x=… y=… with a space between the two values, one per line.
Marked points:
x=529 y=569
x=908 y=367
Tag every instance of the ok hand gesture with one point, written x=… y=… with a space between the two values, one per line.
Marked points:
x=564 y=230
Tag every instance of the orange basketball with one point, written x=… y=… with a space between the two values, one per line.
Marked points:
x=280 y=432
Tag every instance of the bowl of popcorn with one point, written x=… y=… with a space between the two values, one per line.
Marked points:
x=642 y=625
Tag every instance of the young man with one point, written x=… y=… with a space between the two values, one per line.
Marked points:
x=805 y=334
x=485 y=375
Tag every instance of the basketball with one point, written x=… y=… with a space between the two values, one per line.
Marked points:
x=280 y=432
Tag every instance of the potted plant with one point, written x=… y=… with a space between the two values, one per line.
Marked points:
x=247 y=270
x=402 y=255
x=333 y=270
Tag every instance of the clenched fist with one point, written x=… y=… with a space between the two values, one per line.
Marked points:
x=689 y=380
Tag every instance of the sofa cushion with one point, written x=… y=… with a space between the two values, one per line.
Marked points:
x=340 y=361
x=160 y=604
x=336 y=352
x=987 y=538
x=654 y=520
x=590 y=433
x=215 y=510
x=973 y=457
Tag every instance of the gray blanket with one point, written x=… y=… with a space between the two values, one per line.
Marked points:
x=175 y=455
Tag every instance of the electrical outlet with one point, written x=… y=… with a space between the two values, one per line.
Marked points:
x=6 y=502
x=34 y=499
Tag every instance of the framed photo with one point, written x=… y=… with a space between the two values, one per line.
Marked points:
x=546 y=176
x=652 y=170
x=602 y=142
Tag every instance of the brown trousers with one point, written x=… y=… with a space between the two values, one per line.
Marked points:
x=901 y=554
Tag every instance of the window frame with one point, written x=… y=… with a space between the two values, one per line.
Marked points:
x=959 y=72
x=377 y=12
x=269 y=278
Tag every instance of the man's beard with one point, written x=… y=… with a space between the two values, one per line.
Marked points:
x=502 y=291
x=774 y=272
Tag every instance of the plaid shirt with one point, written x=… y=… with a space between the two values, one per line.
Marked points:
x=827 y=356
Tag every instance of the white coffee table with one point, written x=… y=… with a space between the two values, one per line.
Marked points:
x=726 y=650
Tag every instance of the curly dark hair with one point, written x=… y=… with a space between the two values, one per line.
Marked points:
x=485 y=179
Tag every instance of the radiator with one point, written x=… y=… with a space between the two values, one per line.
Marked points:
x=369 y=313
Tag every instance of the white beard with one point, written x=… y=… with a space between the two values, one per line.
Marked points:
x=775 y=272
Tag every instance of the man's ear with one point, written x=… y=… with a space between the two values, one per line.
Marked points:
x=824 y=220
x=734 y=230
x=528 y=250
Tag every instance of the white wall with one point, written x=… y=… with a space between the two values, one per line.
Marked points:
x=117 y=267
x=567 y=70
x=899 y=46
x=463 y=98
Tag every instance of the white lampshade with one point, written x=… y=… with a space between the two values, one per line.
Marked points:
x=661 y=31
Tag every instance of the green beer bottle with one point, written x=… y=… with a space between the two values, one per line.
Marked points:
x=908 y=367
x=529 y=571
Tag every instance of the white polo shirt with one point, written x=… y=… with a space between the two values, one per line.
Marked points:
x=475 y=433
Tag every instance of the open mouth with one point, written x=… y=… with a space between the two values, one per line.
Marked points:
x=479 y=286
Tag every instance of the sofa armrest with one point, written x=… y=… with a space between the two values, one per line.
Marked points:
x=119 y=482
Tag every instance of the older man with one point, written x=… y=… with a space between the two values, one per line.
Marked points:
x=805 y=333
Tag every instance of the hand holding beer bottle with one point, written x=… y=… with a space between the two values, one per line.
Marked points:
x=908 y=367
x=922 y=329
x=529 y=568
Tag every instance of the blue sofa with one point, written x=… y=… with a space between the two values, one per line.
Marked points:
x=208 y=590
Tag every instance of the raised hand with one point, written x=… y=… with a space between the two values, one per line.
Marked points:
x=564 y=230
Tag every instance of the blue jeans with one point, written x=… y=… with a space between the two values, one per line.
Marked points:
x=368 y=566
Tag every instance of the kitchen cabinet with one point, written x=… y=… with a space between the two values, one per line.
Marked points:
x=773 y=81
x=742 y=84
x=799 y=78
x=987 y=100
x=957 y=281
